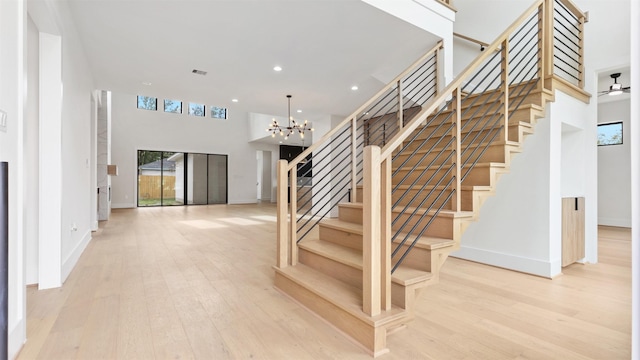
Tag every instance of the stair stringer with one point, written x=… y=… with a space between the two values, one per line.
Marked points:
x=538 y=153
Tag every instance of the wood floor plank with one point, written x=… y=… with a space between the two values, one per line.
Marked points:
x=197 y=283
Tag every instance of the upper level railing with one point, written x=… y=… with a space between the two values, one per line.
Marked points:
x=413 y=145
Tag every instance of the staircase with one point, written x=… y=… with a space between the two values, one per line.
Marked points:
x=391 y=189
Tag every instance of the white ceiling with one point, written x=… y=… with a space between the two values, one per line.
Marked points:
x=324 y=47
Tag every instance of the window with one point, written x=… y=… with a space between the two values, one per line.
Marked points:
x=610 y=134
x=218 y=112
x=147 y=103
x=173 y=106
x=196 y=109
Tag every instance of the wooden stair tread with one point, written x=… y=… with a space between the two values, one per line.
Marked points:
x=477 y=165
x=341 y=294
x=428 y=242
x=442 y=213
x=463 y=187
x=356 y=227
x=403 y=275
x=343 y=225
x=512 y=144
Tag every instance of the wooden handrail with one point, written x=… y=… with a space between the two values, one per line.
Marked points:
x=574 y=9
x=359 y=111
x=468 y=38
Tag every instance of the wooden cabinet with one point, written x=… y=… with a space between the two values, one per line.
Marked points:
x=572 y=230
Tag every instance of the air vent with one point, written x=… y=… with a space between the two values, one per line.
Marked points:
x=199 y=72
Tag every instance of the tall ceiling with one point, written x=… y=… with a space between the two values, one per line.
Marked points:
x=324 y=47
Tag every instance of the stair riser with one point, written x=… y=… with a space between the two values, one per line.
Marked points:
x=477 y=176
x=514 y=129
x=418 y=258
x=371 y=338
x=440 y=227
x=494 y=153
x=482 y=138
x=337 y=270
x=415 y=196
x=340 y=237
x=350 y=214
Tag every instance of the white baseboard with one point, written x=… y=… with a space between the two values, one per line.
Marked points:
x=507 y=261
x=122 y=205
x=70 y=262
x=243 y=202
x=619 y=222
x=16 y=339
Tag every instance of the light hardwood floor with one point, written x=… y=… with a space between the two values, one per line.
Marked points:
x=196 y=282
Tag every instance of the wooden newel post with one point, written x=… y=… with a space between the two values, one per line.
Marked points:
x=371 y=274
x=282 y=233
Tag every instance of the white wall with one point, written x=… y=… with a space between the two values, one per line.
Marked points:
x=31 y=158
x=614 y=168
x=135 y=129
x=13 y=33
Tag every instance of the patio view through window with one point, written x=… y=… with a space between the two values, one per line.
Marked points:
x=176 y=178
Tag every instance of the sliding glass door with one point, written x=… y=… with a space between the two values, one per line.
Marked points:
x=174 y=178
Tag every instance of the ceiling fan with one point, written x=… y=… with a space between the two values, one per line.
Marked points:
x=615 y=88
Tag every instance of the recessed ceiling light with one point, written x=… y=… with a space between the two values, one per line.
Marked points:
x=146 y=83
x=354 y=87
x=280 y=142
x=299 y=111
x=234 y=100
x=277 y=68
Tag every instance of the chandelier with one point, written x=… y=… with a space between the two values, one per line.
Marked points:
x=293 y=126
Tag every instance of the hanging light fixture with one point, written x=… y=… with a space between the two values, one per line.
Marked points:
x=293 y=126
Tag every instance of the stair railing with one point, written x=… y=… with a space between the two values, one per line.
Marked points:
x=331 y=170
x=430 y=155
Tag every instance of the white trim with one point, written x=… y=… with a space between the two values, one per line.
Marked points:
x=17 y=338
x=508 y=261
x=123 y=205
x=71 y=261
x=619 y=222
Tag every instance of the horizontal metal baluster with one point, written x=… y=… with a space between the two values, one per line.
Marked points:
x=557 y=11
x=415 y=182
x=576 y=61
x=527 y=42
x=420 y=206
x=487 y=130
x=421 y=232
x=533 y=86
x=413 y=153
x=317 y=182
x=479 y=107
x=521 y=27
x=345 y=166
x=495 y=106
x=430 y=120
x=445 y=162
x=528 y=66
x=326 y=212
x=487 y=62
x=464 y=176
x=560 y=32
x=531 y=43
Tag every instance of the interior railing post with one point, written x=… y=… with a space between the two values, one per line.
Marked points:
x=293 y=223
x=385 y=231
x=400 y=106
x=455 y=146
x=581 y=51
x=541 y=47
x=282 y=260
x=354 y=160
x=371 y=274
x=548 y=43
x=505 y=89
